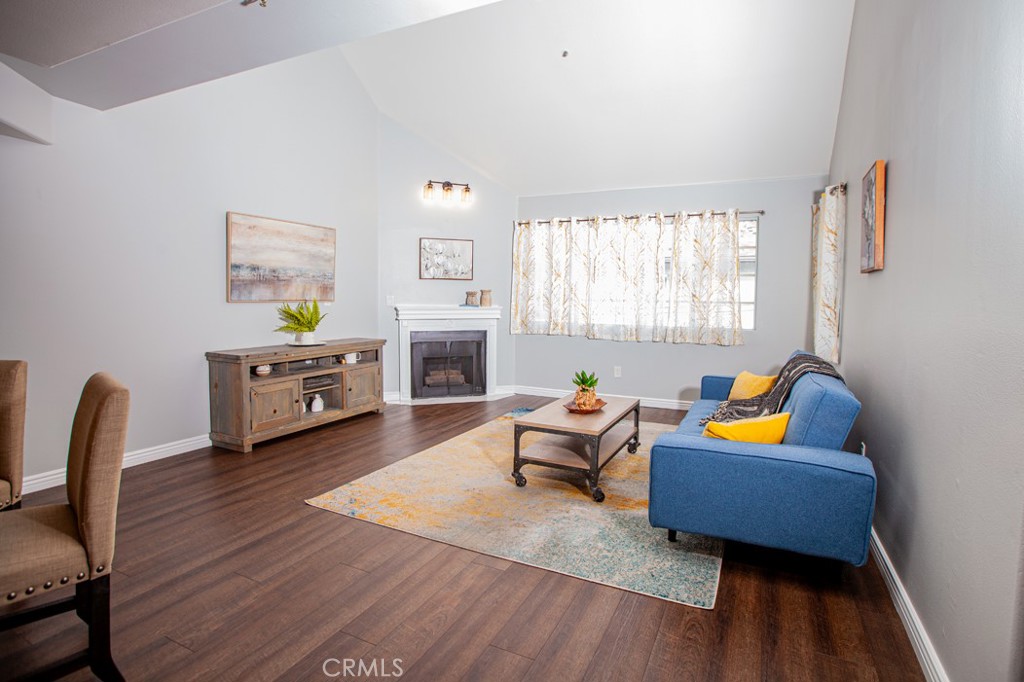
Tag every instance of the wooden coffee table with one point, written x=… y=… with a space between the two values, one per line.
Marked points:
x=577 y=442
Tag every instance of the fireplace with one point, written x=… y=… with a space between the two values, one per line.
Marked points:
x=455 y=354
x=448 y=363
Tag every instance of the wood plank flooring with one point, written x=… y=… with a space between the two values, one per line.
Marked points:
x=223 y=573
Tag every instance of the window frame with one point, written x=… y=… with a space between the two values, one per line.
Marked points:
x=756 y=275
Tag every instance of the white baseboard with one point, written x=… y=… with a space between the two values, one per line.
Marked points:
x=395 y=397
x=47 y=479
x=919 y=639
x=52 y=479
x=663 y=403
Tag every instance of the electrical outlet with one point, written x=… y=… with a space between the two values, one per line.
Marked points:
x=616 y=371
x=864 y=448
x=389 y=300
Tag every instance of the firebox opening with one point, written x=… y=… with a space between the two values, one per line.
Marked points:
x=448 y=363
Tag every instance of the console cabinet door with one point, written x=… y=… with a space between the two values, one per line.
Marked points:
x=362 y=387
x=274 y=405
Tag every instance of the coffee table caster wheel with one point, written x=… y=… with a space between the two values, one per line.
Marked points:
x=632 y=447
x=598 y=495
x=520 y=479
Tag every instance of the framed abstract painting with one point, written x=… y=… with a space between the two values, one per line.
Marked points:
x=279 y=260
x=872 y=219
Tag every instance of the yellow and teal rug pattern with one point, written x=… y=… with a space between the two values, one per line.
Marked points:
x=460 y=493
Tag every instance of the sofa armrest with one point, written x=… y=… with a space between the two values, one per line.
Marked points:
x=805 y=499
x=714 y=387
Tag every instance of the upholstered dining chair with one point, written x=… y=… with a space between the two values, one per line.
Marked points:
x=13 y=390
x=45 y=548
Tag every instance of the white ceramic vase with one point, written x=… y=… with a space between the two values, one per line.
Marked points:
x=318 y=403
x=305 y=338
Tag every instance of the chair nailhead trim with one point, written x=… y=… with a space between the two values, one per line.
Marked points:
x=30 y=590
x=64 y=580
x=80 y=576
x=48 y=584
x=99 y=569
x=11 y=595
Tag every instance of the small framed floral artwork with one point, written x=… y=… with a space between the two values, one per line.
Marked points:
x=446 y=258
x=872 y=219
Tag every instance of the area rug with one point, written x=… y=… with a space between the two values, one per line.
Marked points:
x=460 y=493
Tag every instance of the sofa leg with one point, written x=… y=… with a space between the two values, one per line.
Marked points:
x=671 y=535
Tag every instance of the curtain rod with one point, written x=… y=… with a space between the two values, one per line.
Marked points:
x=759 y=211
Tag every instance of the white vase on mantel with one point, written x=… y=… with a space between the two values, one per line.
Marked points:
x=305 y=338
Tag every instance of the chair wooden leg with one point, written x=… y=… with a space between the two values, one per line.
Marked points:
x=97 y=596
x=671 y=535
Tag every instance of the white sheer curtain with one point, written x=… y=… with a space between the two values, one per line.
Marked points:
x=828 y=225
x=648 y=278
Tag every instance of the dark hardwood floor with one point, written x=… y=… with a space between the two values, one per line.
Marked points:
x=223 y=573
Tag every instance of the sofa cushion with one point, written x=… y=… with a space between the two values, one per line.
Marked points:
x=691 y=425
x=769 y=429
x=748 y=385
x=822 y=412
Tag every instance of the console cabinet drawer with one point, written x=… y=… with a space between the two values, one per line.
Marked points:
x=275 y=405
x=362 y=386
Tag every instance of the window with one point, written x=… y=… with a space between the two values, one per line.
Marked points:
x=748 y=271
x=689 y=278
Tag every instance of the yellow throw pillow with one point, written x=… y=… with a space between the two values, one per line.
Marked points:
x=748 y=385
x=769 y=429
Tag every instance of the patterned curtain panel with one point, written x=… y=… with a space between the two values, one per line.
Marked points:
x=828 y=224
x=647 y=278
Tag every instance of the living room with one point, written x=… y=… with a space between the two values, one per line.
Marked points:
x=109 y=183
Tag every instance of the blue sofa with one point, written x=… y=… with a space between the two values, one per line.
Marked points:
x=805 y=495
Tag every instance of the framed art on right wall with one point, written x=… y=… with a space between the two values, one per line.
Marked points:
x=872 y=219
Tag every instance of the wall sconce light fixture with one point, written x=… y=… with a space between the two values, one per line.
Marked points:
x=447 y=190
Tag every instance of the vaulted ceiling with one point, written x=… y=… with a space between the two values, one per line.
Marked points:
x=544 y=96
x=651 y=92
x=106 y=53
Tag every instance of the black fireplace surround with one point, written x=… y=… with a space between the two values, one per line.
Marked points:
x=448 y=363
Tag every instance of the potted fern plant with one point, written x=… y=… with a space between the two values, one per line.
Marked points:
x=302 y=320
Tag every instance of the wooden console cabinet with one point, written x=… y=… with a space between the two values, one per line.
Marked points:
x=246 y=408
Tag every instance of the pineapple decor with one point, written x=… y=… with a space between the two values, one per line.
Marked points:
x=586 y=395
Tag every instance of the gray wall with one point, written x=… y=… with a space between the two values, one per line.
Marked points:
x=113 y=239
x=406 y=163
x=673 y=371
x=934 y=344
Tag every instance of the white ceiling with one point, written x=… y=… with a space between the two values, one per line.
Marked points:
x=112 y=52
x=51 y=32
x=652 y=93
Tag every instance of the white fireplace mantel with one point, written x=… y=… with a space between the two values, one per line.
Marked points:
x=416 y=317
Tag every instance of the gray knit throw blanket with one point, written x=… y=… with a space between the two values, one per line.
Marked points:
x=771 y=402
